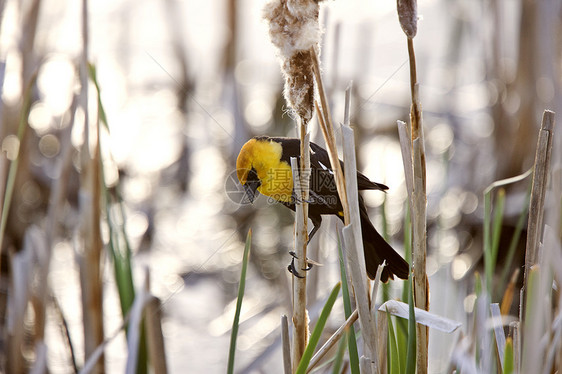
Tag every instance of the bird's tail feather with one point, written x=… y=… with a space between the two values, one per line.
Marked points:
x=377 y=250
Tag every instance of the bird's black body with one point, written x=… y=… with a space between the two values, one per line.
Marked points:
x=324 y=199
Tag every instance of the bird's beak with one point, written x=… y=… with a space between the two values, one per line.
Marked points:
x=250 y=188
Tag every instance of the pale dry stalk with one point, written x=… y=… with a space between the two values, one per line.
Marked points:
x=407 y=15
x=295 y=31
x=90 y=192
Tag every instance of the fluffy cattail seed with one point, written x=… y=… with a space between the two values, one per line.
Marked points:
x=294 y=30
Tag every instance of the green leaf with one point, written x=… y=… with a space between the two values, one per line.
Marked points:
x=508 y=358
x=93 y=76
x=497 y=225
x=514 y=242
x=241 y=288
x=407 y=249
x=402 y=340
x=317 y=332
x=394 y=354
x=411 y=354
x=492 y=234
x=351 y=338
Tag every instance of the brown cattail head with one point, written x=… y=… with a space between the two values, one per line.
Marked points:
x=408 y=16
x=294 y=30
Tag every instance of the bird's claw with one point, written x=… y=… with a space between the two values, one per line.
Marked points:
x=292 y=269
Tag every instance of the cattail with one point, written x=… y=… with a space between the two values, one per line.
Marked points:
x=408 y=16
x=295 y=31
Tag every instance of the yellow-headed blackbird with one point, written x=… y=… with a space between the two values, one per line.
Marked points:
x=264 y=165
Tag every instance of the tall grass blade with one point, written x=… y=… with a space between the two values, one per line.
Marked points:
x=514 y=241
x=407 y=249
x=317 y=332
x=154 y=335
x=508 y=366
x=411 y=353
x=352 y=340
x=101 y=112
x=135 y=336
x=241 y=287
x=393 y=352
x=286 y=342
x=491 y=237
x=402 y=324
x=119 y=247
x=492 y=232
x=497 y=225
x=332 y=340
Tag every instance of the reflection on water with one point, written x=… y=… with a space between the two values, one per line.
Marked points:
x=178 y=116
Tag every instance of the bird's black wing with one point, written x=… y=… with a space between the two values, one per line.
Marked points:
x=323 y=185
x=363 y=183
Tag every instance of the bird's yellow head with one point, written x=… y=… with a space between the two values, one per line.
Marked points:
x=259 y=167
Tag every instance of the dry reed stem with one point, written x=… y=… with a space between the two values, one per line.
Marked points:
x=300 y=317
x=327 y=127
x=382 y=345
x=135 y=329
x=507 y=298
x=90 y=259
x=347 y=190
x=419 y=210
x=40 y=363
x=90 y=193
x=514 y=328
x=154 y=335
x=40 y=288
x=332 y=340
x=285 y=340
x=497 y=324
x=354 y=252
x=92 y=360
x=381 y=324
x=56 y=198
x=423 y=317
x=421 y=284
x=538 y=192
x=19 y=296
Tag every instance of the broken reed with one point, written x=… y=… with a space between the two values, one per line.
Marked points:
x=407 y=15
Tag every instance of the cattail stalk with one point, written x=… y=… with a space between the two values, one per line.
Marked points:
x=407 y=15
x=300 y=315
x=90 y=260
x=295 y=31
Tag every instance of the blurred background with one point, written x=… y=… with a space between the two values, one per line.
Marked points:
x=184 y=84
